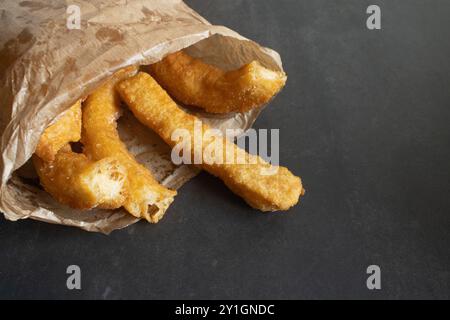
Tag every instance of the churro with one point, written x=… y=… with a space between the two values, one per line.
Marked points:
x=193 y=82
x=154 y=108
x=146 y=197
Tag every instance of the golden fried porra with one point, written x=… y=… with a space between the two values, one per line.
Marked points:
x=146 y=197
x=261 y=185
x=66 y=129
x=71 y=178
x=196 y=83
x=74 y=180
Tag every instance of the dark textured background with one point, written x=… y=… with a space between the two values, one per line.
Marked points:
x=364 y=119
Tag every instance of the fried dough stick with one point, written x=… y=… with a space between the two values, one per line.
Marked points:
x=196 y=83
x=72 y=178
x=153 y=107
x=146 y=197
x=66 y=129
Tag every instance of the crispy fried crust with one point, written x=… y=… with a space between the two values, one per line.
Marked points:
x=196 y=83
x=72 y=179
x=154 y=108
x=66 y=129
x=146 y=197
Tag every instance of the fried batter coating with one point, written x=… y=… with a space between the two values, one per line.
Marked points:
x=72 y=179
x=66 y=129
x=146 y=197
x=153 y=107
x=196 y=83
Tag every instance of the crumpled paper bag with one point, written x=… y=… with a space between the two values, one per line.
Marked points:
x=45 y=67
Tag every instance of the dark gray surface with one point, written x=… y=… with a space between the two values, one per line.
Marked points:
x=364 y=119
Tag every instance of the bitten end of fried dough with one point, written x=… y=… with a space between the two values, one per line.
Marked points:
x=257 y=86
x=74 y=180
x=148 y=203
x=158 y=209
x=107 y=178
x=193 y=82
